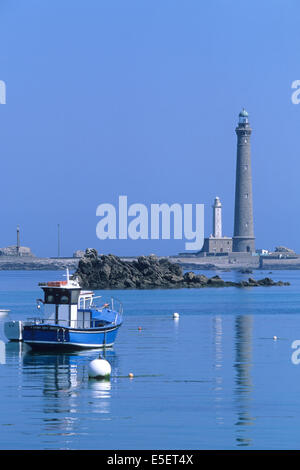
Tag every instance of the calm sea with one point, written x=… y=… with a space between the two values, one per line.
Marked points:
x=214 y=379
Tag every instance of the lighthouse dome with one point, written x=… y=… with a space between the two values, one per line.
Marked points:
x=243 y=117
x=243 y=113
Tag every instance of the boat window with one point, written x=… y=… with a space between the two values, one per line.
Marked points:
x=61 y=296
x=64 y=299
x=74 y=296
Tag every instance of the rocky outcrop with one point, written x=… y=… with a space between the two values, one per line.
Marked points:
x=284 y=249
x=245 y=271
x=147 y=272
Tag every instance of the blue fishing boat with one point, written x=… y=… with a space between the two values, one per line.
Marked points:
x=70 y=319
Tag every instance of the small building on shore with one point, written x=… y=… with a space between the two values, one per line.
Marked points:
x=16 y=250
x=262 y=252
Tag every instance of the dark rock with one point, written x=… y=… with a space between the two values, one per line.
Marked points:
x=190 y=277
x=281 y=283
x=212 y=282
x=147 y=272
x=91 y=253
x=216 y=281
x=202 y=279
x=230 y=284
x=266 y=282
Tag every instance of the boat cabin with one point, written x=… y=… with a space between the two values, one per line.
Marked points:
x=66 y=304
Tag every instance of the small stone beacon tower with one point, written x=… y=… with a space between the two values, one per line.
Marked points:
x=243 y=236
x=217 y=218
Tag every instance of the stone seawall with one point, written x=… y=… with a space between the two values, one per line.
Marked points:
x=279 y=263
x=28 y=263
x=217 y=262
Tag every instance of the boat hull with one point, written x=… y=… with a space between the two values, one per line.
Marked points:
x=56 y=337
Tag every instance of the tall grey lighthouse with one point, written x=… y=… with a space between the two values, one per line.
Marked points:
x=243 y=236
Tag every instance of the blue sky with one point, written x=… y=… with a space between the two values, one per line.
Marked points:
x=141 y=98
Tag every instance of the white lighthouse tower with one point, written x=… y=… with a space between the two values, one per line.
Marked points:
x=217 y=218
x=216 y=243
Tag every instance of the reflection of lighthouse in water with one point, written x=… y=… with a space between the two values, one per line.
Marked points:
x=218 y=364
x=243 y=380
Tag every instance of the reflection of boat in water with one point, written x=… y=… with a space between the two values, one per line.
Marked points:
x=62 y=378
x=70 y=320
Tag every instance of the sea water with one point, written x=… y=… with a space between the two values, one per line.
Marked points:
x=213 y=379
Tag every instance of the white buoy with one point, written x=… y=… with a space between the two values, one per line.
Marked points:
x=175 y=315
x=99 y=369
x=274 y=337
